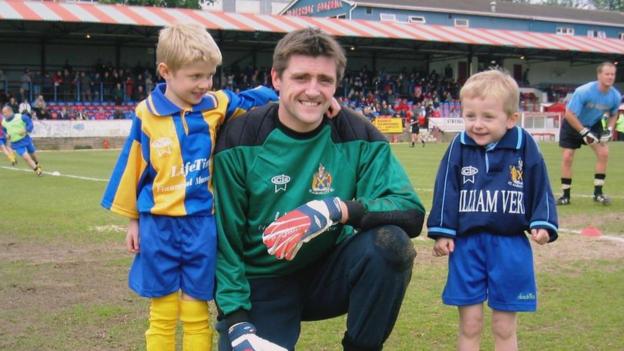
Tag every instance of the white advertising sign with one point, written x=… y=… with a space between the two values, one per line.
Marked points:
x=79 y=129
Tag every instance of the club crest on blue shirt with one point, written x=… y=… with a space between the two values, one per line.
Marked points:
x=162 y=146
x=468 y=173
x=280 y=182
x=321 y=181
x=516 y=172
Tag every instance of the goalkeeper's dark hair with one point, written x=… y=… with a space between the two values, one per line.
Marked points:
x=308 y=42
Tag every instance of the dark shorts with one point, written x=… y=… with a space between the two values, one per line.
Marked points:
x=569 y=138
x=415 y=129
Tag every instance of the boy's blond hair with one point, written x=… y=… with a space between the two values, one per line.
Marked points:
x=494 y=83
x=182 y=44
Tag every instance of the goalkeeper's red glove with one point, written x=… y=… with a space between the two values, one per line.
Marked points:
x=588 y=136
x=243 y=338
x=285 y=236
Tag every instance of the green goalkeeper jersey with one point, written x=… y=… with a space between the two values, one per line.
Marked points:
x=263 y=170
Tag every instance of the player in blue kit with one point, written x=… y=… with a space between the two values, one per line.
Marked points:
x=5 y=147
x=584 y=115
x=491 y=187
x=17 y=127
x=163 y=183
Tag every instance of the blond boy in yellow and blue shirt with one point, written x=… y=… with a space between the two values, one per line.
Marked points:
x=163 y=183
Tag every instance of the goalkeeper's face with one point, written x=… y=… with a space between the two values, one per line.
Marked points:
x=306 y=88
x=606 y=77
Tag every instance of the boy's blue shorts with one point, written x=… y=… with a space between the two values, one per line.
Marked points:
x=23 y=148
x=495 y=268
x=2 y=141
x=176 y=253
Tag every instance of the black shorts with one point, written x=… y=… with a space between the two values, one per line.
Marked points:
x=569 y=138
x=415 y=129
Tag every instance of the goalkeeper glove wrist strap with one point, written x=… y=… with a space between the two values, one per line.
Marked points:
x=356 y=212
x=583 y=132
x=238 y=316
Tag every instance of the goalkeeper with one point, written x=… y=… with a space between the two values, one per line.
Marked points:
x=314 y=215
x=583 y=125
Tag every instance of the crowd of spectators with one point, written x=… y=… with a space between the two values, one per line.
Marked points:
x=106 y=92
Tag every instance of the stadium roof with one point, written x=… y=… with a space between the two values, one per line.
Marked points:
x=506 y=9
x=12 y=10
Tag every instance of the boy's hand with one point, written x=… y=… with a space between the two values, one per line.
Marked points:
x=334 y=108
x=540 y=236
x=285 y=236
x=132 y=236
x=443 y=246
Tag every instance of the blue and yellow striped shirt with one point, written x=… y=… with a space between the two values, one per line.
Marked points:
x=165 y=166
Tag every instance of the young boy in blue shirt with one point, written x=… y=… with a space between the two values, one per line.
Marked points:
x=491 y=187
x=163 y=183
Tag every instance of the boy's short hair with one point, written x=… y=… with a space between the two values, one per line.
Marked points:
x=603 y=65
x=495 y=83
x=309 y=42
x=182 y=44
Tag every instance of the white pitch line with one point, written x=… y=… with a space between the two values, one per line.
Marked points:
x=51 y=174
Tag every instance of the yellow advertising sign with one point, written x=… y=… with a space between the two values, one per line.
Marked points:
x=388 y=125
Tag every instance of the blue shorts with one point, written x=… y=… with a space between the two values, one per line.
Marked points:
x=495 y=268
x=176 y=253
x=2 y=141
x=24 y=146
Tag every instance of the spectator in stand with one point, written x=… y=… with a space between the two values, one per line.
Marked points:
x=57 y=80
x=149 y=82
x=39 y=107
x=139 y=94
x=118 y=94
x=3 y=80
x=107 y=85
x=68 y=86
x=85 y=86
x=24 y=107
x=118 y=114
x=130 y=89
x=101 y=114
x=25 y=84
x=37 y=81
x=63 y=114
x=96 y=84
x=13 y=104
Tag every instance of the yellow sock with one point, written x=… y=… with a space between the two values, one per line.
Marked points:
x=195 y=317
x=11 y=157
x=163 y=319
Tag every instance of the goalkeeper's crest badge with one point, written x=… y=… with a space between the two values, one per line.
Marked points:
x=321 y=181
